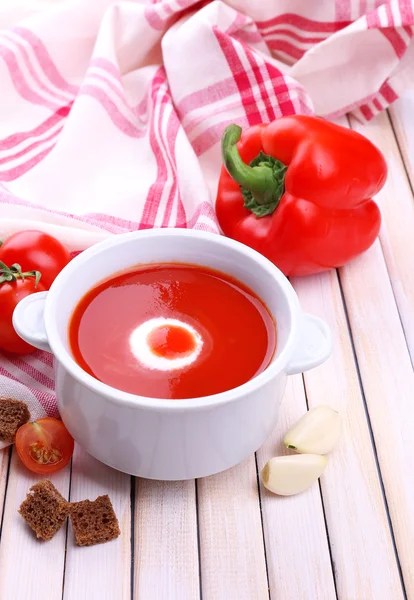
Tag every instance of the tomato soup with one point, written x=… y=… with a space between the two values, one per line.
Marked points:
x=172 y=331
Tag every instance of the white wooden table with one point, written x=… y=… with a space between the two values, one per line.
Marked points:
x=225 y=537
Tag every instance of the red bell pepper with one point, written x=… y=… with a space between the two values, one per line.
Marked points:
x=299 y=191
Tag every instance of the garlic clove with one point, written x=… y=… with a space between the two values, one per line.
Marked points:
x=288 y=475
x=317 y=432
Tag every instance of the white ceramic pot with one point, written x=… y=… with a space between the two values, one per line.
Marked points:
x=165 y=439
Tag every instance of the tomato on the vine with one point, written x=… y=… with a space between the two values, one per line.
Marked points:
x=14 y=286
x=44 y=446
x=35 y=250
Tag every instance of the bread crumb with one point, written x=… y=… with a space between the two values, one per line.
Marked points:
x=94 y=522
x=13 y=414
x=44 y=510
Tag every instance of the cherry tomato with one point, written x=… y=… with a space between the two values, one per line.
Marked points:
x=35 y=250
x=11 y=292
x=44 y=446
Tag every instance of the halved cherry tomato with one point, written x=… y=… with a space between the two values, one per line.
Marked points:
x=44 y=446
x=35 y=250
x=14 y=286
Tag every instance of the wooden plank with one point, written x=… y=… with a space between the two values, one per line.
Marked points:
x=361 y=542
x=381 y=344
x=4 y=473
x=231 y=539
x=103 y=571
x=397 y=207
x=29 y=569
x=297 y=551
x=166 y=555
x=402 y=117
x=388 y=381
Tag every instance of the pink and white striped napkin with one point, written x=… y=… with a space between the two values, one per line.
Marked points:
x=111 y=112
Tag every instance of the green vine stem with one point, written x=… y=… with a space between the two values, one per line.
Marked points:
x=14 y=273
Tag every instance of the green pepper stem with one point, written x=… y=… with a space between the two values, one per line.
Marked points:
x=260 y=180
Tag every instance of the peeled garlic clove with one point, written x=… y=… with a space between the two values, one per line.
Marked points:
x=317 y=432
x=288 y=475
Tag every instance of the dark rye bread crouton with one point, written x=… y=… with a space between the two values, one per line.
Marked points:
x=94 y=522
x=13 y=414
x=44 y=509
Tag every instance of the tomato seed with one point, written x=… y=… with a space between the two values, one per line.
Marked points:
x=43 y=455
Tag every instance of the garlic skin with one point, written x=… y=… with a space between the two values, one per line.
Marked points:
x=289 y=475
x=317 y=432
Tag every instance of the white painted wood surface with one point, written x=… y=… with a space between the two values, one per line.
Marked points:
x=397 y=206
x=166 y=561
x=4 y=473
x=362 y=550
x=382 y=325
x=29 y=569
x=401 y=113
x=102 y=571
x=294 y=527
x=225 y=537
x=231 y=541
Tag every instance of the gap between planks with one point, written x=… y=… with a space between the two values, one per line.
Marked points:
x=25 y=562
x=383 y=330
x=297 y=550
x=286 y=528
x=362 y=554
x=372 y=441
x=103 y=571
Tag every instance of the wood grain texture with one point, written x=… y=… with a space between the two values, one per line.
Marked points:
x=25 y=561
x=231 y=539
x=397 y=207
x=297 y=552
x=103 y=571
x=381 y=317
x=166 y=556
x=4 y=473
x=388 y=381
x=362 y=550
x=379 y=295
x=402 y=117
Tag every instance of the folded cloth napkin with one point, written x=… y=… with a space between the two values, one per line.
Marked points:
x=112 y=111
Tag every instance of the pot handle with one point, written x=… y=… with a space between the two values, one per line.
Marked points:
x=313 y=346
x=28 y=320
